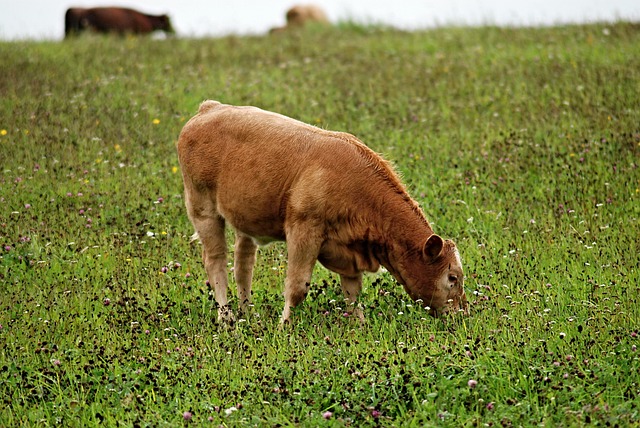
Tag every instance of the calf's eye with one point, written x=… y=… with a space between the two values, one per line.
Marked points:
x=453 y=278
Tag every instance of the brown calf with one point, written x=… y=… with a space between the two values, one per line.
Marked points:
x=327 y=194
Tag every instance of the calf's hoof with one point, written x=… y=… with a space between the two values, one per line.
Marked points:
x=226 y=317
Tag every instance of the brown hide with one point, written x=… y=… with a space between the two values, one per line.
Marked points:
x=73 y=21
x=114 y=20
x=328 y=195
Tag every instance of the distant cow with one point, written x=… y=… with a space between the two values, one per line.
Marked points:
x=114 y=20
x=300 y=15
x=330 y=197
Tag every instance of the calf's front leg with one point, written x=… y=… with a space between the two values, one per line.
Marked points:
x=303 y=247
x=351 y=287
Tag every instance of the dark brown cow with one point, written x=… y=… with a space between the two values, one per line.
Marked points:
x=114 y=20
x=328 y=195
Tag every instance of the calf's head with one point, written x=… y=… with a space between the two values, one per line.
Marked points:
x=434 y=276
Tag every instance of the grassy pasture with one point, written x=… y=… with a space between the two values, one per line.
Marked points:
x=523 y=145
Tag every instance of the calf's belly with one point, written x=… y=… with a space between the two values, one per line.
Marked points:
x=253 y=215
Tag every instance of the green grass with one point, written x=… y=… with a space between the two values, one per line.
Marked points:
x=523 y=145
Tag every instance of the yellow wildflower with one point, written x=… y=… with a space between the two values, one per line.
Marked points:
x=156 y=121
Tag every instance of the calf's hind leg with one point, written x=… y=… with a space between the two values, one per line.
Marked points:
x=214 y=255
x=244 y=260
x=209 y=226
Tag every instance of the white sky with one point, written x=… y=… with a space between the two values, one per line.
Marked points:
x=44 y=19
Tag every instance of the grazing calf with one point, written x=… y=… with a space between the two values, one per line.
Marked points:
x=329 y=196
x=114 y=20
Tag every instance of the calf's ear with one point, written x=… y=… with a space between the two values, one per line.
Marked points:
x=433 y=246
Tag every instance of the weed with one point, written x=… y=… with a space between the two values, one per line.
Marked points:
x=521 y=144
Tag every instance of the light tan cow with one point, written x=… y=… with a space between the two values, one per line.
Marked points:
x=329 y=196
x=301 y=14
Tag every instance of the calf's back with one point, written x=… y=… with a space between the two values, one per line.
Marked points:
x=262 y=166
